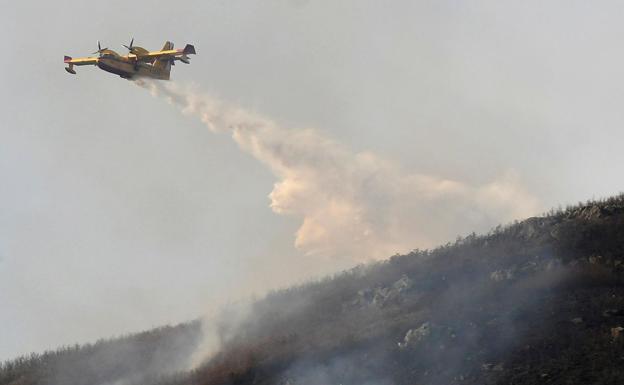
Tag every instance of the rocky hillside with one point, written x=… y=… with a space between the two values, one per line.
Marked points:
x=535 y=302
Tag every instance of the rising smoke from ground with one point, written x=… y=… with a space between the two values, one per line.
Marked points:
x=355 y=205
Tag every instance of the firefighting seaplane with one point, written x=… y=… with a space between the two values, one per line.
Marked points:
x=139 y=62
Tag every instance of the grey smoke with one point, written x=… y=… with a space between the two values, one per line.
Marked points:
x=356 y=205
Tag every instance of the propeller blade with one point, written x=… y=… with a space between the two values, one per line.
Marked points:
x=100 y=49
x=129 y=47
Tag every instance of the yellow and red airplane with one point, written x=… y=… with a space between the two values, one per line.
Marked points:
x=139 y=62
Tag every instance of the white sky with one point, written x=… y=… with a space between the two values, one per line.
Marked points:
x=118 y=214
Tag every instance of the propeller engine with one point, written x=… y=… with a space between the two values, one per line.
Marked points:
x=135 y=50
x=100 y=49
x=130 y=47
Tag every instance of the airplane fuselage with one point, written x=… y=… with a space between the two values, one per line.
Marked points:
x=128 y=70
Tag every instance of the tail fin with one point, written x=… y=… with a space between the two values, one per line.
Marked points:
x=189 y=49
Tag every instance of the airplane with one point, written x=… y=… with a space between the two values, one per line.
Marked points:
x=139 y=62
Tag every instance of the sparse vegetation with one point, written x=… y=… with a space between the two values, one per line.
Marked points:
x=534 y=302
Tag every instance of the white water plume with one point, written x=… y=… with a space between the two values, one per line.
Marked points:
x=354 y=205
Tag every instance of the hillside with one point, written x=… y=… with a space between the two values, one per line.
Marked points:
x=138 y=358
x=535 y=302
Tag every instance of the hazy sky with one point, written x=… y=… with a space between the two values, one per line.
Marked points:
x=117 y=213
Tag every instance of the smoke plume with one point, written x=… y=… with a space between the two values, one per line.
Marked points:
x=355 y=205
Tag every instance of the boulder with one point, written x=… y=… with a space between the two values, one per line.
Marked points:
x=502 y=275
x=403 y=284
x=413 y=336
x=616 y=332
x=381 y=296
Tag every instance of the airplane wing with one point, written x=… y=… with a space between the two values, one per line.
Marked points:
x=81 y=61
x=169 y=53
